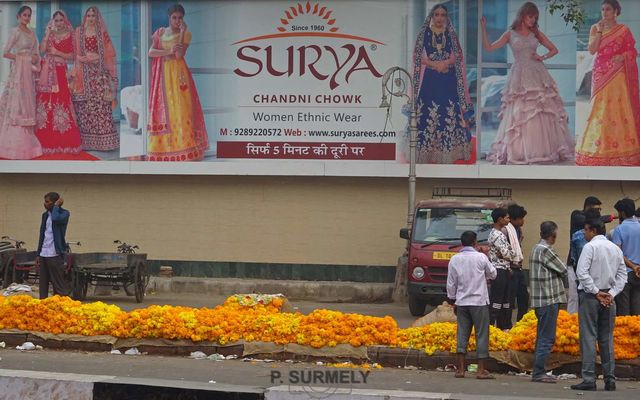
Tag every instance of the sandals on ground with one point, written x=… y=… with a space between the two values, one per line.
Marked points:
x=485 y=375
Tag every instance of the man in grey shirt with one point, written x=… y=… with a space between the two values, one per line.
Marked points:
x=601 y=275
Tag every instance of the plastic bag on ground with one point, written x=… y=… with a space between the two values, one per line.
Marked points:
x=216 y=357
x=132 y=352
x=16 y=288
x=26 y=346
x=198 y=355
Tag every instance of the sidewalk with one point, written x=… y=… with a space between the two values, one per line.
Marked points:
x=257 y=379
x=328 y=291
x=254 y=380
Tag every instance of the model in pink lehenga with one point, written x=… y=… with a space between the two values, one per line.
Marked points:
x=533 y=127
x=56 y=127
x=18 y=99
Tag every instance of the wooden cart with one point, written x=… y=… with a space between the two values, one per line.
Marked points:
x=18 y=265
x=101 y=269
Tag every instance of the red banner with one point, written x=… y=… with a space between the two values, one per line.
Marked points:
x=307 y=150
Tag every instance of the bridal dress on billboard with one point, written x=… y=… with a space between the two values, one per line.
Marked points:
x=94 y=85
x=56 y=127
x=533 y=127
x=18 y=100
x=612 y=134
x=176 y=123
x=444 y=108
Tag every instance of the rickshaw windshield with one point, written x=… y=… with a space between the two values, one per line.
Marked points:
x=445 y=225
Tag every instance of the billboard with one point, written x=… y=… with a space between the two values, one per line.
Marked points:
x=296 y=87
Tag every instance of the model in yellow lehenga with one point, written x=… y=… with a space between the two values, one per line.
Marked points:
x=176 y=126
x=612 y=133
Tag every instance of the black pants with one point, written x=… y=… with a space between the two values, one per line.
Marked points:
x=519 y=293
x=499 y=298
x=52 y=269
x=628 y=301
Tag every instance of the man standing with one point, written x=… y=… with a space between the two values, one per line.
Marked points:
x=602 y=275
x=627 y=237
x=578 y=216
x=467 y=287
x=52 y=247
x=501 y=255
x=547 y=293
x=518 y=293
x=577 y=244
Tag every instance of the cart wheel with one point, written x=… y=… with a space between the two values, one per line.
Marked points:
x=8 y=274
x=80 y=286
x=84 y=287
x=129 y=287
x=74 y=285
x=140 y=282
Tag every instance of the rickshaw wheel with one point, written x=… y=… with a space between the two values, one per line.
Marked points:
x=128 y=287
x=139 y=283
x=6 y=279
x=80 y=286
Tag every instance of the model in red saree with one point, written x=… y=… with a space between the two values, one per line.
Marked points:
x=56 y=126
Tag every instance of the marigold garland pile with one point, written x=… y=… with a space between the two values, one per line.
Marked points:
x=626 y=335
x=441 y=336
x=259 y=318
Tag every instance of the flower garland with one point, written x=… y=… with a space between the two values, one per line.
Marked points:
x=441 y=336
x=58 y=315
x=259 y=318
x=254 y=299
x=626 y=335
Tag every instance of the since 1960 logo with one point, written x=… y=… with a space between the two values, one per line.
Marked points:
x=334 y=55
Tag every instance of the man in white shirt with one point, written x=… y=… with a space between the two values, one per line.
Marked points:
x=52 y=247
x=601 y=275
x=467 y=287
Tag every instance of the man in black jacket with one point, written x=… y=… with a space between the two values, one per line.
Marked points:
x=52 y=247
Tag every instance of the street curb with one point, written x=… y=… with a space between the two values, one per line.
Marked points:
x=286 y=392
x=45 y=384
x=298 y=392
x=49 y=385
x=388 y=357
x=326 y=291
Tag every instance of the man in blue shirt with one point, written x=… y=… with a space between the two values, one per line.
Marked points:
x=627 y=237
x=578 y=218
x=575 y=249
x=52 y=247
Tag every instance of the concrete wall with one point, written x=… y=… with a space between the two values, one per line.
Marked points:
x=347 y=221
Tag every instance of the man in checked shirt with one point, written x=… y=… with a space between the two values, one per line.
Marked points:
x=547 y=273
